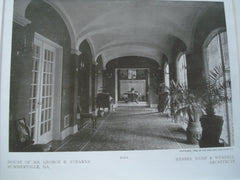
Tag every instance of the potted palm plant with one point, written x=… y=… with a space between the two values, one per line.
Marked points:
x=204 y=127
x=184 y=101
x=215 y=94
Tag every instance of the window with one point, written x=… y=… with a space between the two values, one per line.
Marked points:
x=182 y=70
x=216 y=55
x=166 y=75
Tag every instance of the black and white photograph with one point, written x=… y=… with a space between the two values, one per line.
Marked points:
x=106 y=76
x=98 y=76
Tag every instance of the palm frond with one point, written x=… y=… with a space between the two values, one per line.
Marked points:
x=216 y=87
x=215 y=76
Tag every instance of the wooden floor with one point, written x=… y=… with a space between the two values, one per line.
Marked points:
x=129 y=128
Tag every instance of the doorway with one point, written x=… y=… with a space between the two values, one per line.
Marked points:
x=45 y=89
x=132 y=79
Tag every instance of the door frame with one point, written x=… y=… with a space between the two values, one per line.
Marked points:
x=57 y=90
x=116 y=84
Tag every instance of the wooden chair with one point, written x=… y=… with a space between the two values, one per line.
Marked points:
x=81 y=115
x=104 y=100
x=24 y=140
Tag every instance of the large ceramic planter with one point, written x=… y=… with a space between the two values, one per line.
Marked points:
x=212 y=129
x=194 y=132
x=100 y=113
x=162 y=102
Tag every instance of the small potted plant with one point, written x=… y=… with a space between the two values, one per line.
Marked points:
x=183 y=101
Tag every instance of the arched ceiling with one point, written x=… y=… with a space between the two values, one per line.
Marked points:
x=117 y=28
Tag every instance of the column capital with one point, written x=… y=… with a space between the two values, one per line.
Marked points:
x=21 y=20
x=76 y=52
x=20 y=7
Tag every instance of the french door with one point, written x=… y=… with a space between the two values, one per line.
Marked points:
x=41 y=100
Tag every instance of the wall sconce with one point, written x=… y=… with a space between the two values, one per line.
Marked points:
x=81 y=64
x=157 y=74
x=108 y=74
x=24 y=44
x=21 y=45
x=97 y=71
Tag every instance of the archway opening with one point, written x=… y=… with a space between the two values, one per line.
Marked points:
x=133 y=80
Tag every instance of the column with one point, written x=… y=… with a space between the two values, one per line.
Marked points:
x=75 y=58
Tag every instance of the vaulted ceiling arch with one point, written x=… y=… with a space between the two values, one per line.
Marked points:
x=67 y=20
x=155 y=31
x=104 y=23
x=140 y=45
x=130 y=50
x=20 y=8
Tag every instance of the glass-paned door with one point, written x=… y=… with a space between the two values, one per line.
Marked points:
x=41 y=100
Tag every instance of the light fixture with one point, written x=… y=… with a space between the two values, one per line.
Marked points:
x=81 y=64
x=21 y=45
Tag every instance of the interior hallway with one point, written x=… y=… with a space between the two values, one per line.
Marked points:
x=66 y=55
x=128 y=128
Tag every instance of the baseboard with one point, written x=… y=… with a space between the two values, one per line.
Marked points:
x=69 y=131
x=153 y=105
x=75 y=129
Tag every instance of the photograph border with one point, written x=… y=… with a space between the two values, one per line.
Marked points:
x=151 y=164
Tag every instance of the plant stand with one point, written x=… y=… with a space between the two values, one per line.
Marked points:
x=100 y=112
x=194 y=132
